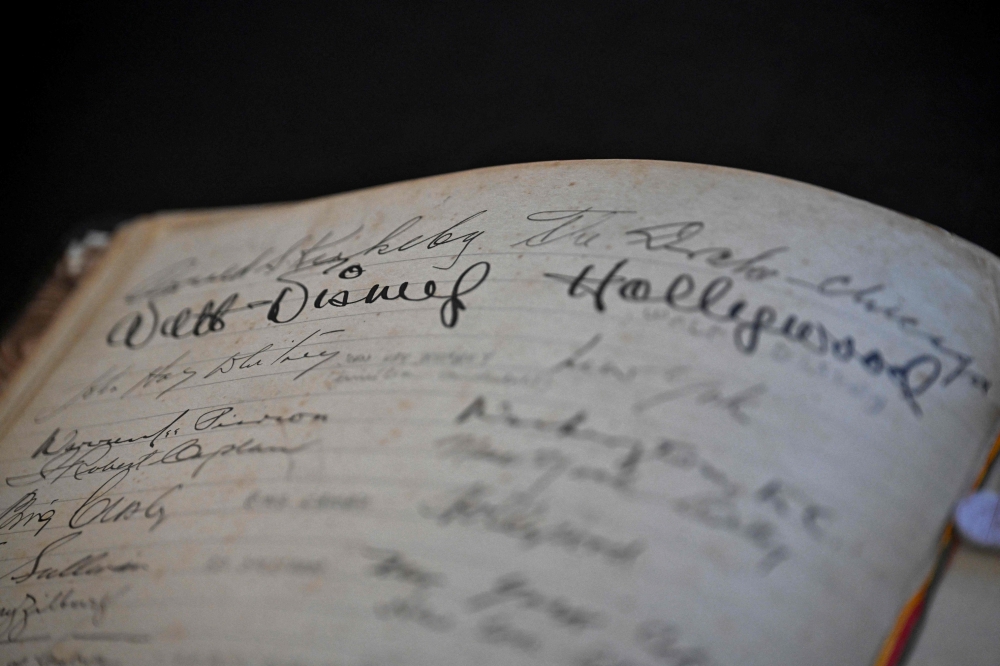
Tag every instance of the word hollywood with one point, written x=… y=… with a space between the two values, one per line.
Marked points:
x=712 y=301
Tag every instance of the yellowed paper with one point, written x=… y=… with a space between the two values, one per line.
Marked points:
x=594 y=413
x=961 y=626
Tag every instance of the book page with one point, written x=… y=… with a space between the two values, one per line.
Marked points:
x=961 y=627
x=613 y=413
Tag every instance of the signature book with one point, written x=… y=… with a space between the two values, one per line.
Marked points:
x=593 y=413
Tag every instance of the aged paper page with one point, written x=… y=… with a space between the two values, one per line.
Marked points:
x=963 y=624
x=596 y=414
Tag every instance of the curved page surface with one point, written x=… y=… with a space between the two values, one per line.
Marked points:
x=584 y=413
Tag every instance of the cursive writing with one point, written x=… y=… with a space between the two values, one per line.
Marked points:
x=841 y=286
x=14 y=620
x=449 y=313
x=19 y=515
x=912 y=377
x=575 y=225
x=670 y=236
x=88 y=565
x=136 y=329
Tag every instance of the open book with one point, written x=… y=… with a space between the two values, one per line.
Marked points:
x=600 y=413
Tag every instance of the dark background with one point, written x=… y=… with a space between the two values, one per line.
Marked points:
x=127 y=109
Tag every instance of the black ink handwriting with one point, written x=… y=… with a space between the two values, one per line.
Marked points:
x=88 y=565
x=669 y=237
x=912 y=378
x=578 y=225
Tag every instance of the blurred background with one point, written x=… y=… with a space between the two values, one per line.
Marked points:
x=123 y=109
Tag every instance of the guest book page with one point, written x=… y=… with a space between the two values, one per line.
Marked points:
x=613 y=413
